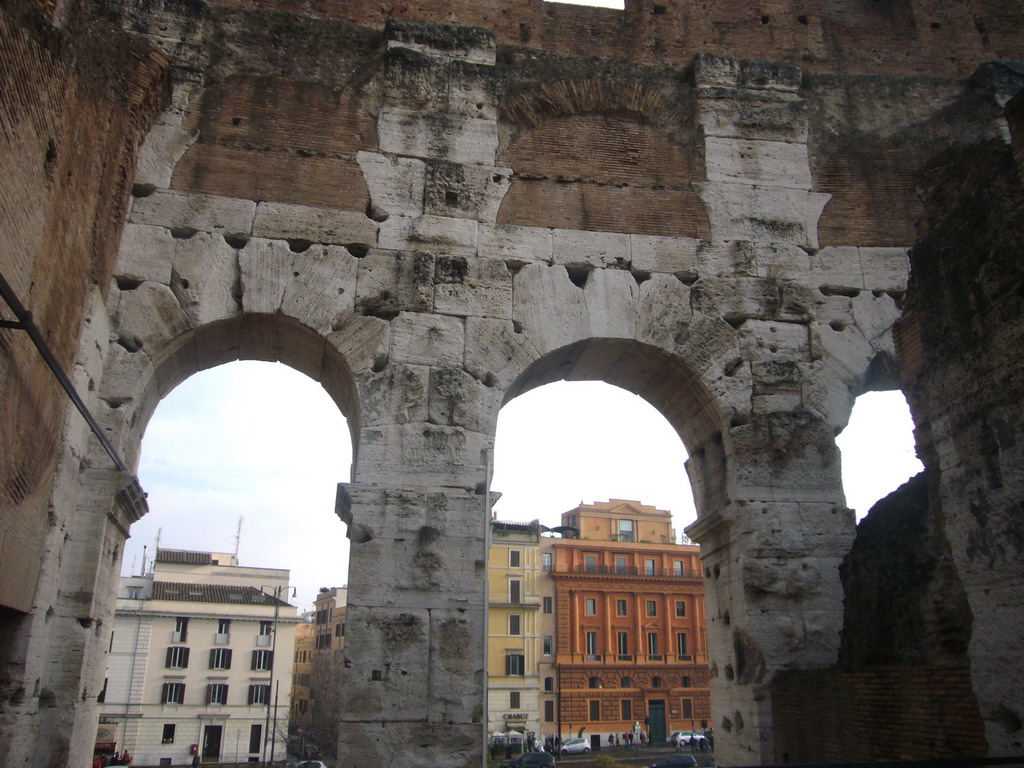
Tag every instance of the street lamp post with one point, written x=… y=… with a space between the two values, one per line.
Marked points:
x=278 y=589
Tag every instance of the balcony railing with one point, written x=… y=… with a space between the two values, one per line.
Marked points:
x=632 y=570
x=634 y=659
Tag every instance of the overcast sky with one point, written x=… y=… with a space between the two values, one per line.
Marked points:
x=264 y=444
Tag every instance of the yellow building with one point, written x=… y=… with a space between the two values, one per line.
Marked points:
x=328 y=662
x=301 y=714
x=513 y=651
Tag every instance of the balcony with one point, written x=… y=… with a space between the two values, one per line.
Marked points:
x=262 y=641
x=633 y=660
x=222 y=638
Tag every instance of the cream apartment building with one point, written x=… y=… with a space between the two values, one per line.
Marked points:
x=200 y=662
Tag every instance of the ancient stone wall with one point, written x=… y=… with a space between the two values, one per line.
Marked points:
x=387 y=201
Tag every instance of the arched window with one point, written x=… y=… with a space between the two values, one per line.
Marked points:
x=595 y=682
x=626 y=683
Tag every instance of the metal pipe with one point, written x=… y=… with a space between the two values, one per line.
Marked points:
x=25 y=323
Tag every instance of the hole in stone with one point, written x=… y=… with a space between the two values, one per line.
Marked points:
x=639 y=276
x=379 y=364
x=357 y=250
x=659 y=10
x=735 y=322
x=497 y=178
x=490 y=380
x=729 y=674
x=839 y=290
x=517 y=327
x=936 y=25
x=837 y=325
x=716 y=571
x=802 y=19
x=578 y=275
x=184 y=283
x=739 y=720
x=764 y=19
x=236 y=240
x=513 y=266
x=298 y=245
x=726 y=619
x=376 y=675
x=182 y=233
x=479 y=105
x=51 y=152
x=143 y=190
x=236 y=121
x=451 y=198
x=733 y=367
x=295 y=274
x=686 y=278
x=739 y=420
x=127 y=283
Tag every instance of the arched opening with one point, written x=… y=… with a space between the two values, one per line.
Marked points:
x=877 y=447
x=605 y=419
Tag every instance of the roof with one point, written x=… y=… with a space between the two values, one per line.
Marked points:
x=212 y=593
x=183 y=556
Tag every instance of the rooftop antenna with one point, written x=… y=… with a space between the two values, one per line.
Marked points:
x=238 y=534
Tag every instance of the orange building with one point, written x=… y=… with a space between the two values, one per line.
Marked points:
x=629 y=627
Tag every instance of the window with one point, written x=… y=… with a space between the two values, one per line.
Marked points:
x=259 y=693
x=686 y=681
x=548 y=605
x=652 y=645
x=590 y=563
x=513 y=699
x=168 y=735
x=626 y=531
x=677 y=568
x=255 y=737
x=681 y=648
x=622 y=645
x=594 y=682
x=173 y=693
x=626 y=706
x=681 y=608
x=134 y=593
x=220 y=658
x=655 y=682
x=514 y=558
x=549 y=711
x=620 y=565
x=217 y=693
x=652 y=607
x=515 y=624
x=621 y=608
x=649 y=568
x=590 y=606
x=545 y=561
x=515 y=664
x=177 y=657
x=571 y=521
x=223 y=626
x=263 y=660
x=266 y=628
x=626 y=682
x=549 y=643
x=180 y=630
x=515 y=591
x=592 y=646
x=595 y=710
x=687 y=709
x=549 y=684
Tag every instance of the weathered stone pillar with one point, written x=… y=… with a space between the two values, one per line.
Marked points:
x=415 y=684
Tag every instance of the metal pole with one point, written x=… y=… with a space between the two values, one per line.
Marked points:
x=273 y=732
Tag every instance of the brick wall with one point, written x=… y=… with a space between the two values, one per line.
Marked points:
x=884 y=713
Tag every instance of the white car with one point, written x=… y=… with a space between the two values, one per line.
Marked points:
x=575 y=747
x=682 y=738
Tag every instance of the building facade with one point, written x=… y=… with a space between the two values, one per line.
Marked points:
x=328 y=662
x=627 y=614
x=514 y=642
x=200 y=662
x=300 y=718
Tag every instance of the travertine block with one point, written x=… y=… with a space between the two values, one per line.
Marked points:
x=663 y=310
x=458 y=399
x=751 y=114
x=168 y=140
x=550 y=309
x=363 y=342
x=874 y=315
x=323 y=286
x=748 y=297
x=451 y=137
x=766 y=340
x=207 y=213
x=420 y=455
x=472 y=287
x=395 y=184
x=415 y=79
x=768 y=163
x=589 y=250
x=707 y=345
x=427 y=339
x=204 y=273
x=837 y=268
x=885 y=269
x=145 y=254
x=463 y=191
x=149 y=317
x=317 y=225
x=674 y=255
x=433 y=233
x=395 y=281
x=611 y=300
x=496 y=352
x=266 y=269
x=518 y=245
x=762 y=214
x=846 y=348
x=474 y=90
x=396 y=395
x=473 y=44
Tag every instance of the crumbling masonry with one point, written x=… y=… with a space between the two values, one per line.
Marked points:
x=431 y=207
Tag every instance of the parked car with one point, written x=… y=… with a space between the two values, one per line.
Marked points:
x=530 y=760
x=575 y=747
x=311 y=764
x=676 y=761
x=682 y=738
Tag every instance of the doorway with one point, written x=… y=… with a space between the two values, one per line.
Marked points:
x=656 y=721
x=211 y=743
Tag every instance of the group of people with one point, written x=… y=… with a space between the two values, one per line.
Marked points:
x=115 y=758
x=627 y=739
